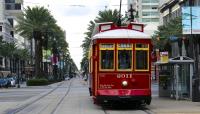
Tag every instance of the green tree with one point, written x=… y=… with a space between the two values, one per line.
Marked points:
x=164 y=32
x=33 y=23
x=103 y=16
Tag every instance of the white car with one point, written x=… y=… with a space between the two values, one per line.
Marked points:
x=12 y=82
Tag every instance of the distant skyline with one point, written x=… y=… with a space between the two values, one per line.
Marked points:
x=73 y=16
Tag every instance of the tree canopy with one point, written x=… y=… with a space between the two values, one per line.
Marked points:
x=161 y=37
x=37 y=23
x=103 y=16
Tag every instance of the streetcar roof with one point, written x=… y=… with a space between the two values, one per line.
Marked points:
x=121 y=33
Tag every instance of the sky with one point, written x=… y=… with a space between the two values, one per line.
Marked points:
x=73 y=17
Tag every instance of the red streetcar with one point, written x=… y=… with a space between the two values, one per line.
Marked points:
x=120 y=64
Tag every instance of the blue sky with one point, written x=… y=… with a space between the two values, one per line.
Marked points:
x=73 y=16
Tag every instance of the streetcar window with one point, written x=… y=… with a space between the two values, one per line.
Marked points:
x=124 y=56
x=141 y=60
x=141 y=57
x=124 y=59
x=107 y=56
x=107 y=59
x=141 y=45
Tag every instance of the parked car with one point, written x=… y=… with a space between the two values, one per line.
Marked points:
x=4 y=82
x=12 y=81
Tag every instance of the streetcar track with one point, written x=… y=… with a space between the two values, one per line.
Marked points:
x=62 y=99
x=14 y=111
x=146 y=110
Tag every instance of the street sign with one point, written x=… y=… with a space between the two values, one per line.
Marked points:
x=173 y=38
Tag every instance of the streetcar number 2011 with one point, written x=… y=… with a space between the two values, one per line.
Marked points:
x=124 y=75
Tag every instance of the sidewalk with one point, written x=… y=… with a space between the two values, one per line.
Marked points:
x=163 y=105
x=171 y=106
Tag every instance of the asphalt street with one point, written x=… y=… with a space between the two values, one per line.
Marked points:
x=72 y=97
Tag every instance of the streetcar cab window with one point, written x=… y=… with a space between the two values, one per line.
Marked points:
x=106 y=56
x=142 y=57
x=124 y=56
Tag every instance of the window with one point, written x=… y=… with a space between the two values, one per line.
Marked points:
x=8 y=7
x=146 y=13
x=1 y=61
x=142 y=57
x=154 y=7
x=154 y=1
x=17 y=6
x=12 y=33
x=154 y=20
x=107 y=56
x=145 y=1
x=9 y=1
x=146 y=20
x=124 y=56
x=0 y=28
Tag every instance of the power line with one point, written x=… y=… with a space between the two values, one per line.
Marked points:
x=78 y=5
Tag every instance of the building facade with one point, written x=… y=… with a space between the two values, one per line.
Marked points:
x=148 y=13
x=187 y=84
x=9 y=10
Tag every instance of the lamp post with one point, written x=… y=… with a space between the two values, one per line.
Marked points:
x=132 y=11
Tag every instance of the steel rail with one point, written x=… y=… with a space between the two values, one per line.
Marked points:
x=14 y=111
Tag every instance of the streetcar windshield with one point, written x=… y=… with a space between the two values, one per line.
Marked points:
x=124 y=56
x=124 y=59
x=107 y=59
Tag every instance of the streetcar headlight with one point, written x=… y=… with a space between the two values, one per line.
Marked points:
x=124 y=83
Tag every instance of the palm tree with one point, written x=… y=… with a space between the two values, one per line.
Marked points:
x=107 y=16
x=33 y=23
x=103 y=16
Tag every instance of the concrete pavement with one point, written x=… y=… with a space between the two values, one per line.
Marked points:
x=171 y=106
x=162 y=105
x=159 y=105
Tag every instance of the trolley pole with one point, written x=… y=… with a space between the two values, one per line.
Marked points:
x=119 y=21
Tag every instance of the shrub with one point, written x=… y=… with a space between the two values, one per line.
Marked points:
x=37 y=82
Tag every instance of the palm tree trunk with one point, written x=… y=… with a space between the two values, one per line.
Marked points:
x=38 y=58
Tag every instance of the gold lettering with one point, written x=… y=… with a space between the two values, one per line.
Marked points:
x=124 y=75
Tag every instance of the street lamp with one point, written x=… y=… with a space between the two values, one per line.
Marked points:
x=132 y=13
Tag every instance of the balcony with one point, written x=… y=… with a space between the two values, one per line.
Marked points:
x=13 y=7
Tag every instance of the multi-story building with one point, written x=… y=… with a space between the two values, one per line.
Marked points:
x=148 y=13
x=9 y=10
x=187 y=79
